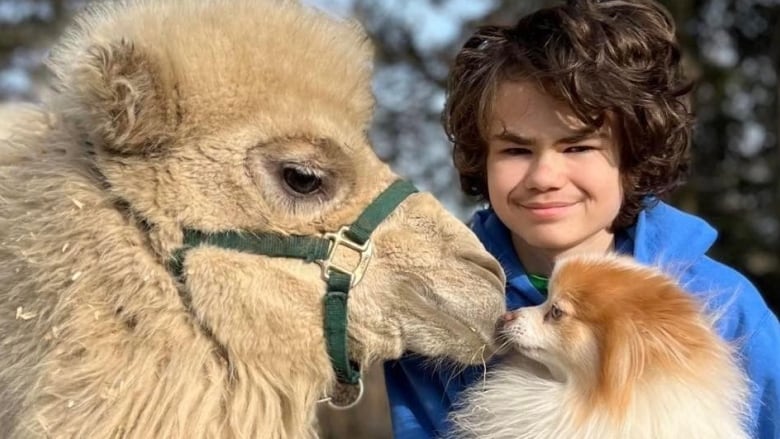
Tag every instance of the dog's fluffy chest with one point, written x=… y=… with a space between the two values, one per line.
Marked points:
x=516 y=401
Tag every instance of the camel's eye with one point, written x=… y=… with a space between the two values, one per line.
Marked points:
x=301 y=180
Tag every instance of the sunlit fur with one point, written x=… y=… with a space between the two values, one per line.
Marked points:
x=173 y=114
x=632 y=356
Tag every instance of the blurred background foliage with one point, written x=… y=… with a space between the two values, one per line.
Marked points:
x=732 y=49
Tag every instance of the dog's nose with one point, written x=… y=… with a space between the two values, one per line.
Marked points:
x=509 y=316
x=505 y=319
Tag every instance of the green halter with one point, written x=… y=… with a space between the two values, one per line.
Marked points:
x=321 y=250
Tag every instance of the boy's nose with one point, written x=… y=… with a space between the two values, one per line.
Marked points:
x=545 y=173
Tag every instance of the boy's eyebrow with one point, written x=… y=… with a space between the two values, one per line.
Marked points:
x=514 y=138
x=576 y=136
x=580 y=134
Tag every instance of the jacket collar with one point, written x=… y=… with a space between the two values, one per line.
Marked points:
x=661 y=235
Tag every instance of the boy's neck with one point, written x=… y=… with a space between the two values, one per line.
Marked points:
x=541 y=261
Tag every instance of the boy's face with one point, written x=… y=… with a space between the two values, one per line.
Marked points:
x=552 y=180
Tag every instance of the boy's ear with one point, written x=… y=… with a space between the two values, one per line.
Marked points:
x=124 y=101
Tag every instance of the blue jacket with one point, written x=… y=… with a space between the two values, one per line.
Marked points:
x=420 y=397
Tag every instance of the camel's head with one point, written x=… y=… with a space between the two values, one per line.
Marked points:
x=246 y=115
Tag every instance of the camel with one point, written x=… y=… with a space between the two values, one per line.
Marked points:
x=185 y=215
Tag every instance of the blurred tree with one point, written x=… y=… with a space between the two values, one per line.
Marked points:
x=27 y=29
x=735 y=51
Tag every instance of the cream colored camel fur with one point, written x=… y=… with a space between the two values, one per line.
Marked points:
x=174 y=114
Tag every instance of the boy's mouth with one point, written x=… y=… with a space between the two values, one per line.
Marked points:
x=547 y=210
x=547 y=205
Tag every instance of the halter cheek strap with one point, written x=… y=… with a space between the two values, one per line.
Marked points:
x=320 y=249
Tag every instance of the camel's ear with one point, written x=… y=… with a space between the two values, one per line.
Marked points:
x=125 y=101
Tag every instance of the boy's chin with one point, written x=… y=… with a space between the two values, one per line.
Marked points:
x=547 y=237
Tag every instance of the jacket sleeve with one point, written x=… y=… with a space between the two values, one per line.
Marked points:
x=761 y=354
x=420 y=395
x=745 y=320
x=416 y=397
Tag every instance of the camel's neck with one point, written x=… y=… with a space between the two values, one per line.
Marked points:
x=118 y=353
x=183 y=390
x=276 y=401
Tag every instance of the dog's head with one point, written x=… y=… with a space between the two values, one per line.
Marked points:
x=607 y=322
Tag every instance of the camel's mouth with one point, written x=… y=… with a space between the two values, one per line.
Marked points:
x=439 y=326
x=475 y=346
x=484 y=335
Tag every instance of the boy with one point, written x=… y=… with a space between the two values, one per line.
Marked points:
x=571 y=124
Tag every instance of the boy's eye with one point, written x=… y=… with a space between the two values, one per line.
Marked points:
x=516 y=151
x=579 y=148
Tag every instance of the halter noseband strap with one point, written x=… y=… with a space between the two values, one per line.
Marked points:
x=356 y=237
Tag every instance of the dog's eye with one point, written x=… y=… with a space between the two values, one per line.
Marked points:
x=302 y=181
x=554 y=313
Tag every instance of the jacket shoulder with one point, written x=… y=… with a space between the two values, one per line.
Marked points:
x=728 y=294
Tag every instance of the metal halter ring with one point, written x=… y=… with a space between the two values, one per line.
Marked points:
x=329 y=399
x=340 y=238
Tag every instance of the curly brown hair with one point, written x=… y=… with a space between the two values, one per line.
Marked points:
x=614 y=56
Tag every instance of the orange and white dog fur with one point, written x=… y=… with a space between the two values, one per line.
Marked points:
x=618 y=350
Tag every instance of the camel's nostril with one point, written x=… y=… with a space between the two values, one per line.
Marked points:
x=489 y=264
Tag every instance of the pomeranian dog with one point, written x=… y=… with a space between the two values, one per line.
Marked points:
x=618 y=350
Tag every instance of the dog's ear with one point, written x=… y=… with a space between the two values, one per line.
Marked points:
x=119 y=95
x=623 y=362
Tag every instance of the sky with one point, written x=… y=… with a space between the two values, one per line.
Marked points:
x=439 y=23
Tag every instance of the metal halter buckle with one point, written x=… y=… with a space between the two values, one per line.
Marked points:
x=340 y=238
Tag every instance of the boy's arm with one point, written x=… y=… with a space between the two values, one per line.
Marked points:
x=417 y=397
x=754 y=329
x=762 y=362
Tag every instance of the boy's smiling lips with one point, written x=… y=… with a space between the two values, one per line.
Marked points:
x=546 y=205
x=547 y=210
